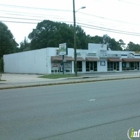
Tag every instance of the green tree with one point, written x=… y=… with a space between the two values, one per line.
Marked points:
x=24 y=46
x=95 y=39
x=114 y=45
x=1 y=65
x=122 y=44
x=133 y=47
x=7 y=41
x=51 y=34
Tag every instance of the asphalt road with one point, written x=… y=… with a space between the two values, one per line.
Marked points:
x=88 y=111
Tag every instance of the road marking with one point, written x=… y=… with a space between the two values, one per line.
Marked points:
x=91 y=100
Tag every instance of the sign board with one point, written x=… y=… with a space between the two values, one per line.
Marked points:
x=91 y=54
x=114 y=55
x=102 y=63
x=103 y=53
x=63 y=50
x=59 y=66
x=78 y=54
x=130 y=55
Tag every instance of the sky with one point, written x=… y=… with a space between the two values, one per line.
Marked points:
x=117 y=18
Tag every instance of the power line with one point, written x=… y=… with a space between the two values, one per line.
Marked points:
x=37 y=15
x=110 y=30
x=11 y=21
x=59 y=10
x=88 y=26
x=104 y=18
x=124 y=1
x=131 y=3
x=42 y=18
x=35 y=8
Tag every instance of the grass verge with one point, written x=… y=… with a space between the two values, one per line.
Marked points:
x=56 y=76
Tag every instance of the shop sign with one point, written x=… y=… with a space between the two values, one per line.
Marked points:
x=103 y=53
x=102 y=63
x=67 y=65
x=114 y=55
x=130 y=55
x=78 y=54
x=56 y=65
x=91 y=54
x=63 y=50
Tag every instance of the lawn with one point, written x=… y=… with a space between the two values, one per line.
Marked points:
x=55 y=76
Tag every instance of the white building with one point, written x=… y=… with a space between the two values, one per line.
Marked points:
x=96 y=59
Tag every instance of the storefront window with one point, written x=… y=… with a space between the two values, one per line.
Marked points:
x=130 y=66
x=91 y=66
x=79 y=66
x=57 y=67
x=113 y=66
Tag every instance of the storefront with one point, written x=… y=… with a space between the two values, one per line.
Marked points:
x=95 y=59
x=130 y=64
x=80 y=60
x=113 y=64
x=91 y=64
x=57 y=64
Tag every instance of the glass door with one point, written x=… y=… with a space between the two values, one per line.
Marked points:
x=91 y=66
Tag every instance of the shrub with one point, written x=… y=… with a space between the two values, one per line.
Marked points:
x=1 y=64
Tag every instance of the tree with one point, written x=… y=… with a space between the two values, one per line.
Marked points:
x=1 y=65
x=95 y=39
x=133 y=47
x=51 y=34
x=7 y=41
x=122 y=44
x=24 y=46
x=114 y=45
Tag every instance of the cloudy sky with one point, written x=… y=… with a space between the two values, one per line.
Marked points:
x=117 y=18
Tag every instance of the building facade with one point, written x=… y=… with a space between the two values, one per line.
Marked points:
x=96 y=59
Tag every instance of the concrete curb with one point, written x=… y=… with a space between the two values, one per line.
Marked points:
x=69 y=82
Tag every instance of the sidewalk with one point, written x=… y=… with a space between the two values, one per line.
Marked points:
x=31 y=80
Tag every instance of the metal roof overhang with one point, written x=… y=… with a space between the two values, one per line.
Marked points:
x=59 y=58
x=80 y=59
x=114 y=60
x=92 y=59
x=131 y=60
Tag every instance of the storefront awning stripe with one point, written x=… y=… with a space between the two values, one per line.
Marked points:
x=131 y=59
x=59 y=58
x=92 y=59
x=80 y=59
x=114 y=60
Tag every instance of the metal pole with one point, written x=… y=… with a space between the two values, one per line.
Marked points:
x=63 y=62
x=75 y=54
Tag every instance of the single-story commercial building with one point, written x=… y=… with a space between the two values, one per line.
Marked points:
x=96 y=59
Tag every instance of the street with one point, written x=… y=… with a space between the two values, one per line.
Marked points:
x=87 y=111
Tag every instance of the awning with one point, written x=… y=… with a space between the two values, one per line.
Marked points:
x=59 y=58
x=80 y=59
x=131 y=60
x=92 y=59
x=114 y=60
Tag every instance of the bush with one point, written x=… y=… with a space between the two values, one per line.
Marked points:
x=1 y=65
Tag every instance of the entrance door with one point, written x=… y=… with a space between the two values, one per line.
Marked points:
x=91 y=66
x=136 y=65
x=113 y=66
x=116 y=66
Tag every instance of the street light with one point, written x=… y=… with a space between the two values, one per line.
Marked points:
x=83 y=7
x=74 y=22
